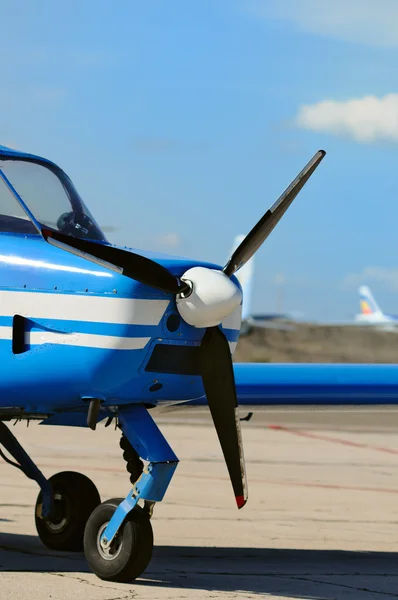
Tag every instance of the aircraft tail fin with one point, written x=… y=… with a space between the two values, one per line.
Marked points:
x=368 y=304
x=245 y=278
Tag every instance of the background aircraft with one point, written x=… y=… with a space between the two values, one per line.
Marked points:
x=252 y=320
x=371 y=313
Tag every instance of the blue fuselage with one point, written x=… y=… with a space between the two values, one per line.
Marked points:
x=84 y=331
x=89 y=332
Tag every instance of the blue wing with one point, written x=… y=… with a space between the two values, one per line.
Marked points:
x=263 y=384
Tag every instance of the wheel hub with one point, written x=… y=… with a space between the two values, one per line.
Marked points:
x=61 y=514
x=113 y=550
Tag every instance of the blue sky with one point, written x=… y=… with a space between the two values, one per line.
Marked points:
x=181 y=122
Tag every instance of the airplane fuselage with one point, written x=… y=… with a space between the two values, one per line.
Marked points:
x=72 y=330
x=379 y=320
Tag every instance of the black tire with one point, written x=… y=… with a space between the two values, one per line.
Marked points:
x=133 y=547
x=75 y=498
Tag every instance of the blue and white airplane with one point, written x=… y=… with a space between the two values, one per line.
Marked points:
x=92 y=332
x=371 y=314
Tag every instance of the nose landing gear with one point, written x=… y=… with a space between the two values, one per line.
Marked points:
x=118 y=539
x=131 y=549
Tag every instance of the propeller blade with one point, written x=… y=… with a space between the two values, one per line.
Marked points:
x=266 y=224
x=132 y=265
x=219 y=384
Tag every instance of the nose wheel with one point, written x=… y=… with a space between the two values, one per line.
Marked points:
x=131 y=550
x=75 y=498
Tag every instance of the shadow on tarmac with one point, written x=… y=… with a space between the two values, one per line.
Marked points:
x=305 y=574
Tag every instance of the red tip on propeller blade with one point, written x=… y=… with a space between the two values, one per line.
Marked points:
x=240 y=501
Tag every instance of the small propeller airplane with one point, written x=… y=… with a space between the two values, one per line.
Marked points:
x=92 y=332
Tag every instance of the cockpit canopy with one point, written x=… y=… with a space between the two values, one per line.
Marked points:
x=30 y=184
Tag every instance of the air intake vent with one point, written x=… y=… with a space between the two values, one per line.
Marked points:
x=18 y=334
x=174 y=359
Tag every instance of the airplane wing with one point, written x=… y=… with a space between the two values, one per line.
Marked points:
x=265 y=322
x=267 y=384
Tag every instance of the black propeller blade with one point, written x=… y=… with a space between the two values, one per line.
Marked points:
x=266 y=224
x=132 y=265
x=219 y=384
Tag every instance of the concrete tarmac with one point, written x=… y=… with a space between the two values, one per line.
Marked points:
x=321 y=521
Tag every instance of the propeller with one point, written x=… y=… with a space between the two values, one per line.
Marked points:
x=204 y=297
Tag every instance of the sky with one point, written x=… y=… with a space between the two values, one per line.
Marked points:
x=180 y=123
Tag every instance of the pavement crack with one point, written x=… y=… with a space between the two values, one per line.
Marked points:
x=344 y=585
x=93 y=584
x=128 y=597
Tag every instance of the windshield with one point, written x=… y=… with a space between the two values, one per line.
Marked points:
x=50 y=196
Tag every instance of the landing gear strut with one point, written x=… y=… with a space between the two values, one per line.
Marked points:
x=118 y=539
x=64 y=503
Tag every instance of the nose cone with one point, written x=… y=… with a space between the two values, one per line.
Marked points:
x=212 y=297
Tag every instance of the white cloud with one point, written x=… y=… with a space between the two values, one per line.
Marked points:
x=367 y=22
x=170 y=240
x=367 y=119
x=386 y=276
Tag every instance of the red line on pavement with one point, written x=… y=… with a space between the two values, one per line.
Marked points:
x=327 y=438
x=308 y=484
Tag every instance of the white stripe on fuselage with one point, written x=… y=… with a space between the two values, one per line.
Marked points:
x=88 y=308
x=78 y=307
x=5 y=333
x=39 y=264
x=88 y=340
